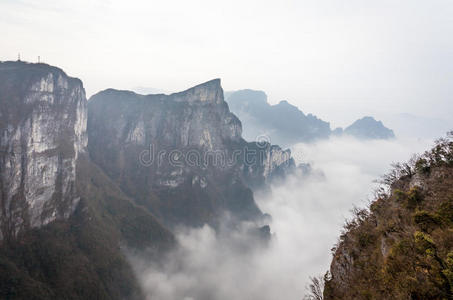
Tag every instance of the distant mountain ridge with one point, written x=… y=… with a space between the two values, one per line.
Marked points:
x=285 y=124
x=369 y=128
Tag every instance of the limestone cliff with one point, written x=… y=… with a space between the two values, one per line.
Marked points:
x=64 y=223
x=180 y=155
x=42 y=132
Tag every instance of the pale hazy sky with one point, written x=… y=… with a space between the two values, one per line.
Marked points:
x=339 y=59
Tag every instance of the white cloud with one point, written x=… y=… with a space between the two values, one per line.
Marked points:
x=307 y=215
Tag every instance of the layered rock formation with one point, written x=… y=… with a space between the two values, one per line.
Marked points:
x=180 y=155
x=42 y=132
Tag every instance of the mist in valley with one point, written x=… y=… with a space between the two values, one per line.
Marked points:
x=103 y=103
x=308 y=211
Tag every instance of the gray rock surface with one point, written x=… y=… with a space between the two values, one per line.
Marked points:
x=181 y=155
x=42 y=131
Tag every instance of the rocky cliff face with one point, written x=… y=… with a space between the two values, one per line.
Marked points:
x=180 y=155
x=180 y=120
x=42 y=132
x=64 y=223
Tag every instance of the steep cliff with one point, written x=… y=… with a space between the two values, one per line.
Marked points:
x=42 y=132
x=402 y=248
x=180 y=155
x=65 y=224
x=66 y=221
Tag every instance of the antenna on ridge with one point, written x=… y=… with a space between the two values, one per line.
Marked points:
x=18 y=57
x=39 y=59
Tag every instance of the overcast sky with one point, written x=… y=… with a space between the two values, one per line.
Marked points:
x=339 y=59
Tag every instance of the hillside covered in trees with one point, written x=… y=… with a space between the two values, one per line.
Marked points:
x=402 y=246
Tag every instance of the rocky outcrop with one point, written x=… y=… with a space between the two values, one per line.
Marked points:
x=401 y=248
x=42 y=132
x=180 y=155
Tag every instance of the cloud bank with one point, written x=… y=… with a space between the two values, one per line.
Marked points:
x=307 y=215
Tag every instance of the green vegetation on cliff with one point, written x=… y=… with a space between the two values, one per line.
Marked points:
x=82 y=258
x=402 y=246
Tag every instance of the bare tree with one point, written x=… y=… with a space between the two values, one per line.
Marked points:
x=315 y=289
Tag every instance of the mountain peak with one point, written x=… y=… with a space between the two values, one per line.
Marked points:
x=284 y=123
x=369 y=128
x=208 y=92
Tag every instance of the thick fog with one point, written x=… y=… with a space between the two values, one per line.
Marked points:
x=338 y=59
x=307 y=211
